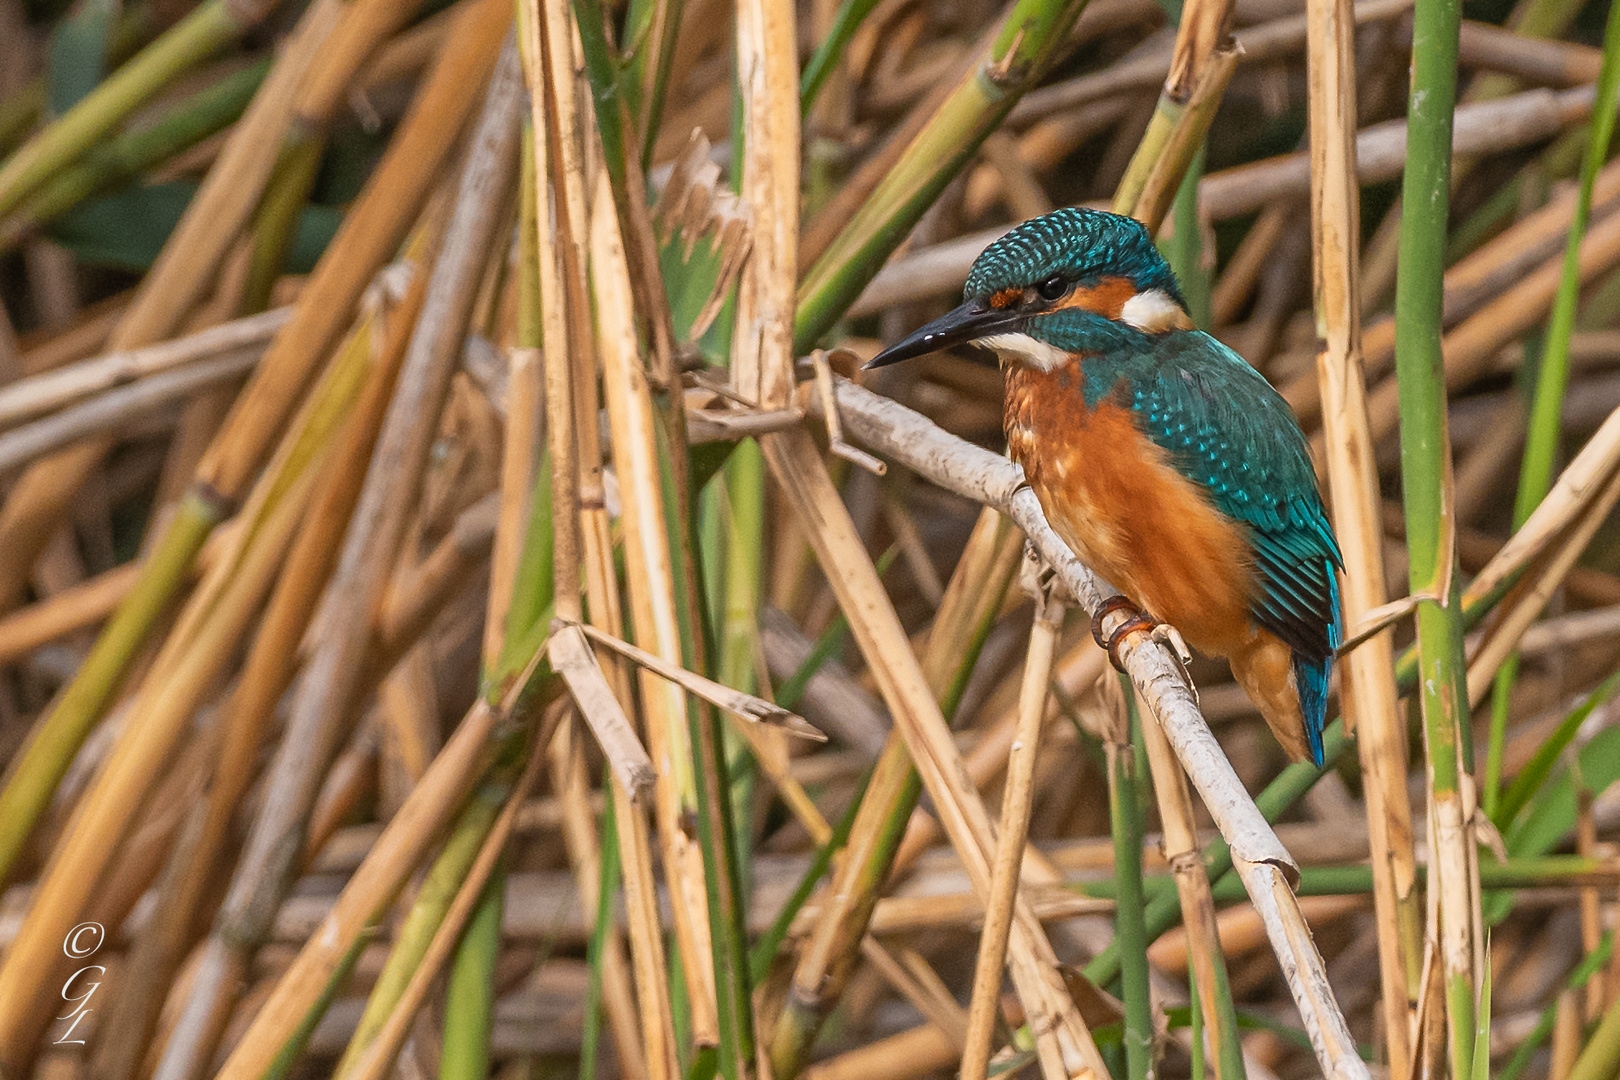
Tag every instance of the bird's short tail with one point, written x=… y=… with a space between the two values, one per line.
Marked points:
x=1290 y=690
x=1311 y=681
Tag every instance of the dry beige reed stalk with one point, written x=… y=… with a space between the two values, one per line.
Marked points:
x=63 y=386
x=650 y=583
x=1182 y=852
x=762 y=345
x=1367 y=679
x=572 y=658
x=360 y=577
x=381 y=1056
x=35 y=506
x=985 y=1004
x=183 y=673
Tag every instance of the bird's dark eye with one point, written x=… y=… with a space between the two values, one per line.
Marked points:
x=1053 y=287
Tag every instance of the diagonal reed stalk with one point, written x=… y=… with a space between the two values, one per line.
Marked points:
x=985 y=1005
x=37 y=504
x=130 y=153
x=209 y=29
x=335 y=673
x=826 y=963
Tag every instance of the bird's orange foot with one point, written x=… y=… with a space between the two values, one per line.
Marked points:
x=1133 y=622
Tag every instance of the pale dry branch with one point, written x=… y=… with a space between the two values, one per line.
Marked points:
x=115 y=409
x=1582 y=481
x=62 y=386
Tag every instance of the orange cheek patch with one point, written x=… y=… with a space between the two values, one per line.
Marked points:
x=1006 y=298
x=1107 y=298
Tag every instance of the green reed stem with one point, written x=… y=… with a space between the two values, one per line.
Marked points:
x=469 y=1014
x=35 y=772
x=1426 y=481
x=822 y=63
x=1125 y=820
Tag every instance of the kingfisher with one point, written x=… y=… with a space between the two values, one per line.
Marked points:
x=1168 y=464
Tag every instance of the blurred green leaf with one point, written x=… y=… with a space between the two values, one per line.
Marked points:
x=127 y=230
x=77 y=58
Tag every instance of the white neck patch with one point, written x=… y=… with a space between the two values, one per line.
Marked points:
x=1154 y=312
x=1022 y=347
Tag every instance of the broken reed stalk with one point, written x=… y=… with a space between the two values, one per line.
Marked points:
x=1367 y=679
x=1431 y=540
x=1260 y=859
x=655 y=595
x=1201 y=63
x=580 y=539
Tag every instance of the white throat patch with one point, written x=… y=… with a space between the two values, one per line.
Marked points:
x=1022 y=347
x=1153 y=312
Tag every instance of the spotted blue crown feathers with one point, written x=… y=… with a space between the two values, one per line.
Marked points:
x=1080 y=244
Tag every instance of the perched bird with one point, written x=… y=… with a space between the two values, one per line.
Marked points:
x=1167 y=463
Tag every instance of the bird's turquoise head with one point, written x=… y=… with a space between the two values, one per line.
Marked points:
x=1029 y=293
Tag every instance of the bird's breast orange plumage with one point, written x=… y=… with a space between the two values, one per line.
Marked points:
x=1108 y=491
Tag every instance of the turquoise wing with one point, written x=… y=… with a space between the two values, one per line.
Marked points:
x=1228 y=431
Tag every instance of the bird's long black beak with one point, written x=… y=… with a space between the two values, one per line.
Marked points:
x=972 y=320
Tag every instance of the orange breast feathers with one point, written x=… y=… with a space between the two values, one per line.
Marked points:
x=1116 y=500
